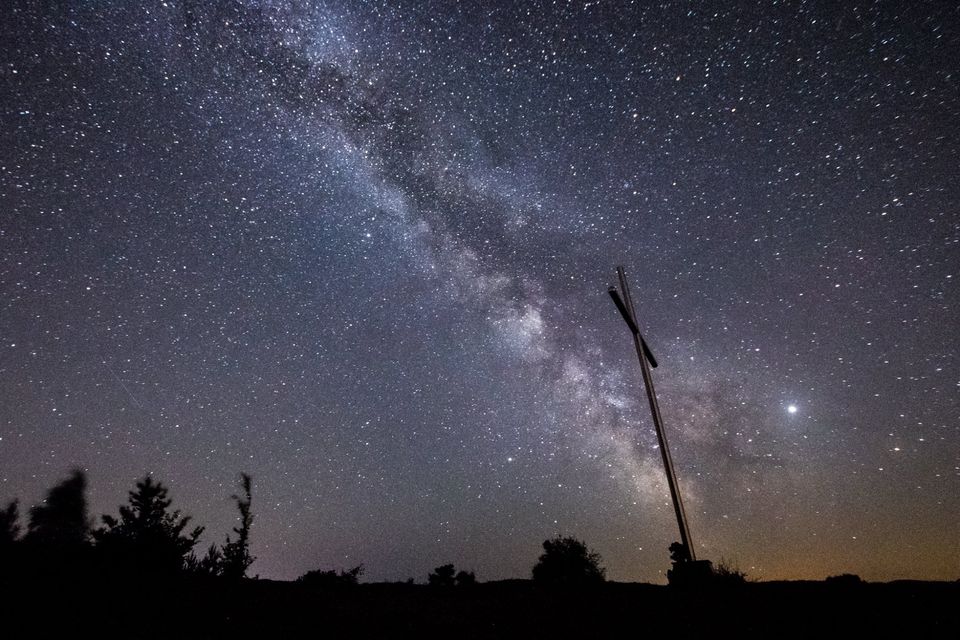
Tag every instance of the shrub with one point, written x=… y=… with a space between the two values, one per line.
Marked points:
x=726 y=574
x=442 y=576
x=331 y=578
x=465 y=579
x=567 y=561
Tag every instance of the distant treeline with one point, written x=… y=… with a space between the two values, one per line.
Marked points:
x=150 y=540
x=147 y=539
x=136 y=574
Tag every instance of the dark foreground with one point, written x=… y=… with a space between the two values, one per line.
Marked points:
x=266 y=609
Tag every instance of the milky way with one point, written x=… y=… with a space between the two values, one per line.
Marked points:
x=361 y=250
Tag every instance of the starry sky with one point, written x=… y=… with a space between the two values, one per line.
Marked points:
x=360 y=250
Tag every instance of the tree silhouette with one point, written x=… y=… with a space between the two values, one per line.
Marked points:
x=567 y=561
x=465 y=579
x=60 y=522
x=9 y=538
x=211 y=564
x=236 y=558
x=9 y=525
x=442 y=576
x=148 y=537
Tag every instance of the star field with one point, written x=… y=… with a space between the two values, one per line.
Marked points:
x=360 y=250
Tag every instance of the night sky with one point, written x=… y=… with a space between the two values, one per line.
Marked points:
x=360 y=250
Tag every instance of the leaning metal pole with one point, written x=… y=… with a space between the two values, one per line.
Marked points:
x=646 y=357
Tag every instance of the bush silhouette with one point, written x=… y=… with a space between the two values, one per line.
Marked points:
x=147 y=538
x=446 y=576
x=442 y=576
x=465 y=579
x=725 y=574
x=567 y=561
x=331 y=578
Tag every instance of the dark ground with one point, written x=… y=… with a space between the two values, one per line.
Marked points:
x=267 y=609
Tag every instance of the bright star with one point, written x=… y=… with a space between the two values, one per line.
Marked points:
x=792 y=408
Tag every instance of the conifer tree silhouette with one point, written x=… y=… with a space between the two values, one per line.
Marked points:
x=236 y=558
x=148 y=537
